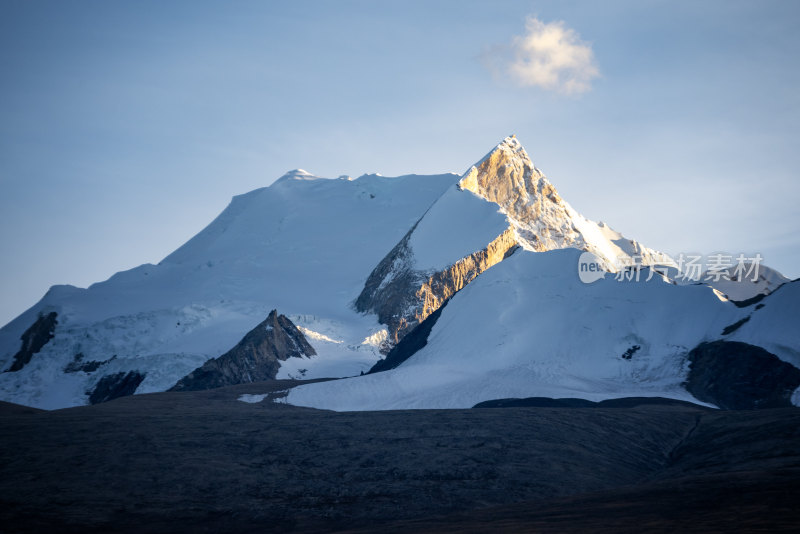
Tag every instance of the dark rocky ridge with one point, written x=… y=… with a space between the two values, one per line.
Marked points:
x=79 y=365
x=255 y=358
x=761 y=296
x=404 y=297
x=116 y=385
x=410 y=344
x=731 y=328
x=33 y=339
x=739 y=376
x=390 y=290
x=752 y=300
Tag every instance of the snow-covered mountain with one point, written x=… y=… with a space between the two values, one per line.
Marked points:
x=303 y=246
x=501 y=203
x=468 y=282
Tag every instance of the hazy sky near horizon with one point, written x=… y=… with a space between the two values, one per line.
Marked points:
x=126 y=127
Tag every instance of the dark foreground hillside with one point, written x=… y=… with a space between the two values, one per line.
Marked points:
x=205 y=462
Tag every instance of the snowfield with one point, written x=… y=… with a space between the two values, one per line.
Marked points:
x=458 y=224
x=528 y=327
x=304 y=245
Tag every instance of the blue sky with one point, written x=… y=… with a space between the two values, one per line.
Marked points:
x=125 y=127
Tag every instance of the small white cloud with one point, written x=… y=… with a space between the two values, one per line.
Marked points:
x=550 y=56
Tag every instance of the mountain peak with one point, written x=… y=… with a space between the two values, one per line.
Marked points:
x=542 y=220
x=460 y=236
x=506 y=170
x=510 y=148
x=297 y=174
x=508 y=177
x=256 y=357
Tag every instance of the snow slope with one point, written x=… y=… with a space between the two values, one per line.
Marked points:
x=772 y=324
x=529 y=327
x=304 y=245
x=739 y=287
x=458 y=224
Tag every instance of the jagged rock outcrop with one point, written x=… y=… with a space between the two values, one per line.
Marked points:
x=507 y=177
x=391 y=289
x=78 y=364
x=256 y=357
x=403 y=297
x=442 y=285
x=403 y=293
x=740 y=376
x=542 y=220
x=34 y=338
x=114 y=386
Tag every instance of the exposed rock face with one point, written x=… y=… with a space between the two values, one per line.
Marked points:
x=507 y=177
x=34 y=339
x=740 y=376
x=403 y=294
x=541 y=219
x=79 y=365
x=403 y=297
x=410 y=344
x=731 y=328
x=444 y=284
x=390 y=291
x=256 y=357
x=114 y=386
